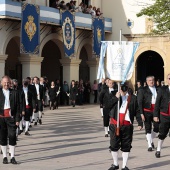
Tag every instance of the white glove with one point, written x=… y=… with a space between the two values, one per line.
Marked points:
x=58 y=93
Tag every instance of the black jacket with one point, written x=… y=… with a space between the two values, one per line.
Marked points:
x=133 y=109
x=105 y=97
x=14 y=103
x=144 y=98
x=162 y=101
x=31 y=99
x=41 y=92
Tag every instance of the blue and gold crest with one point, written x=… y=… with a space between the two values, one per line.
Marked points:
x=130 y=23
x=98 y=34
x=30 y=29
x=68 y=27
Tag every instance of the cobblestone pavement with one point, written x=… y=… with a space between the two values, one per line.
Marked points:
x=73 y=139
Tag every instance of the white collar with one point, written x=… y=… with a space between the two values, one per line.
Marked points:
x=5 y=91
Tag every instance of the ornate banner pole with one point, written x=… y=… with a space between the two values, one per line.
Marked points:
x=118 y=104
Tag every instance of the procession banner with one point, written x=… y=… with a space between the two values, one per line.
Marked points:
x=30 y=29
x=98 y=34
x=68 y=27
x=120 y=60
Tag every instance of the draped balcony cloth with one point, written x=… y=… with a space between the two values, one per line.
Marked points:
x=120 y=60
x=98 y=29
x=69 y=32
x=30 y=29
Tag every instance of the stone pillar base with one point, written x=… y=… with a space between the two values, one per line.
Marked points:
x=2 y=65
x=93 y=65
x=31 y=65
x=70 y=69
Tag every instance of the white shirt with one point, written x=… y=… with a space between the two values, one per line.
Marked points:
x=169 y=88
x=154 y=94
x=7 y=102
x=123 y=107
x=110 y=90
x=38 y=92
x=25 y=89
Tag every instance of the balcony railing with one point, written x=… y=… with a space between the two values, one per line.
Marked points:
x=12 y=10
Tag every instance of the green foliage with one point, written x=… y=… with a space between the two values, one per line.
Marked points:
x=159 y=13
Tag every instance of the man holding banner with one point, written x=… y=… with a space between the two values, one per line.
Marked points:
x=119 y=68
x=123 y=140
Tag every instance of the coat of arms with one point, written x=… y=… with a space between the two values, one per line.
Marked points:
x=30 y=27
x=68 y=31
x=130 y=23
x=99 y=35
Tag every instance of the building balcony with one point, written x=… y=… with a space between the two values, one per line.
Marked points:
x=12 y=10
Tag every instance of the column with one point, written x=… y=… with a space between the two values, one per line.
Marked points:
x=93 y=65
x=31 y=65
x=2 y=65
x=70 y=69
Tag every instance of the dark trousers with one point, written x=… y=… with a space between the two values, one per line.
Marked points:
x=124 y=140
x=57 y=101
x=28 y=114
x=65 y=98
x=7 y=130
x=39 y=105
x=164 y=127
x=106 y=117
x=95 y=96
x=148 y=123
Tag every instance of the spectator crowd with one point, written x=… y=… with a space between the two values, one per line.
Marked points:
x=72 y=6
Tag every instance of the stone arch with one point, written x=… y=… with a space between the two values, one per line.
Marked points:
x=88 y=46
x=51 y=66
x=13 y=34
x=83 y=67
x=57 y=40
x=151 y=48
x=13 y=68
x=142 y=50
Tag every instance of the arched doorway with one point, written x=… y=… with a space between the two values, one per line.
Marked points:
x=13 y=68
x=83 y=68
x=150 y=63
x=51 y=66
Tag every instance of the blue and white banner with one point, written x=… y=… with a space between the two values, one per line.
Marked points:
x=30 y=29
x=98 y=34
x=68 y=27
x=120 y=60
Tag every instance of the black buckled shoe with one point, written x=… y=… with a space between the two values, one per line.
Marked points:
x=125 y=168
x=40 y=121
x=13 y=161
x=158 y=154
x=150 y=149
x=106 y=135
x=114 y=167
x=5 y=160
x=27 y=133
x=35 y=124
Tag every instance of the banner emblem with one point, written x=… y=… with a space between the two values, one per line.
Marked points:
x=68 y=33
x=30 y=27
x=99 y=35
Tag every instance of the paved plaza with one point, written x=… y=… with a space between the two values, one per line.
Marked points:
x=73 y=139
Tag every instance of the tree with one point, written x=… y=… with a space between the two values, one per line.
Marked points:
x=159 y=13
